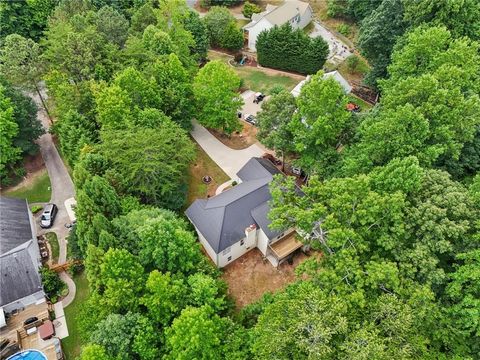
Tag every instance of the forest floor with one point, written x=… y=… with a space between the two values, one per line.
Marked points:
x=251 y=276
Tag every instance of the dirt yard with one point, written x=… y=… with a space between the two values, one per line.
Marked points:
x=249 y=277
x=240 y=140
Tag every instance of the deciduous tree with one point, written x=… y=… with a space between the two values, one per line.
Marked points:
x=217 y=102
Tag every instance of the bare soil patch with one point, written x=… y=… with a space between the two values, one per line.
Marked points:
x=238 y=140
x=251 y=276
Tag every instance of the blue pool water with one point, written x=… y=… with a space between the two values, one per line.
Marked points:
x=28 y=355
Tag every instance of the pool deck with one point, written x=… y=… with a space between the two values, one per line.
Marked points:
x=15 y=332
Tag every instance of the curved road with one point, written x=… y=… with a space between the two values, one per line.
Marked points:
x=62 y=189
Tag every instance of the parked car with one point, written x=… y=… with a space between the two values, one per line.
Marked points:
x=296 y=171
x=251 y=119
x=48 y=215
x=30 y=320
x=258 y=97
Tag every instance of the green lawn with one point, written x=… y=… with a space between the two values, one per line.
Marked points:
x=256 y=79
x=72 y=344
x=38 y=191
x=202 y=166
x=53 y=241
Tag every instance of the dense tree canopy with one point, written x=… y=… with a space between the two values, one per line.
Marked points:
x=158 y=178
x=292 y=50
x=389 y=209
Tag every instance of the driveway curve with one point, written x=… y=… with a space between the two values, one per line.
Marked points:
x=229 y=160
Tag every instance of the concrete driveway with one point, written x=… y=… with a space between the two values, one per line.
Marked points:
x=62 y=185
x=62 y=193
x=249 y=107
x=229 y=160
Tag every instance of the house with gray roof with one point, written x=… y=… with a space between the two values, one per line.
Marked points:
x=236 y=221
x=297 y=13
x=20 y=281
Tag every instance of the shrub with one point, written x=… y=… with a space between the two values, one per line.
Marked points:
x=344 y=29
x=292 y=50
x=222 y=29
x=276 y=89
x=356 y=65
x=206 y=4
x=249 y=9
x=52 y=285
x=36 y=208
x=232 y=38
x=352 y=63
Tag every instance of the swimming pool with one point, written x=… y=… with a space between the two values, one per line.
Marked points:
x=28 y=355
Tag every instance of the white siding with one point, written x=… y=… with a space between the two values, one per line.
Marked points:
x=262 y=242
x=207 y=247
x=236 y=250
x=306 y=18
x=255 y=30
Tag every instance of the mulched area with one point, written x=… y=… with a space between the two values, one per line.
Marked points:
x=240 y=140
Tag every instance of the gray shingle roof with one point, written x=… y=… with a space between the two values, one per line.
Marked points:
x=19 y=276
x=260 y=215
x=15 y=226
x=223 y=219
x=279 y=15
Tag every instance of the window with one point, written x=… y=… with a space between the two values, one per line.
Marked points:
x=242 y=242
x=281 y=235
x=229 y=258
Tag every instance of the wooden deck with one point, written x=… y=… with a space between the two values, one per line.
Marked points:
x=286 y=246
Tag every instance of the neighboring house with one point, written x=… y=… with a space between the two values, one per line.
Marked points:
x=20 y=281
x=334 y=74
x=297 y=13
x=236 y=221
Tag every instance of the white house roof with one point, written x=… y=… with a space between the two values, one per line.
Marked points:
x=333 y=74
x=340 y=79
x=279 y=15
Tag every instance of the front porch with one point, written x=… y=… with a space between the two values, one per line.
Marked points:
x=280 y=250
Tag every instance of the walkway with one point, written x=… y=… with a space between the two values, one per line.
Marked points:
x=229 y=160
x=62 y=190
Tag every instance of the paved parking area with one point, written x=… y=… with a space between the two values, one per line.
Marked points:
x=249 y=107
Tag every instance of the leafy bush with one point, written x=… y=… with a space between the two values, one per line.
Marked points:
x=222 y=29
x=232 y=38
x=356 y=65
x=344 y=29
x=52 y=285
x=276 y=89
x=249 y=9
x=36 y=208
x=287 y=49
x=352 y=63
x=206 y=4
